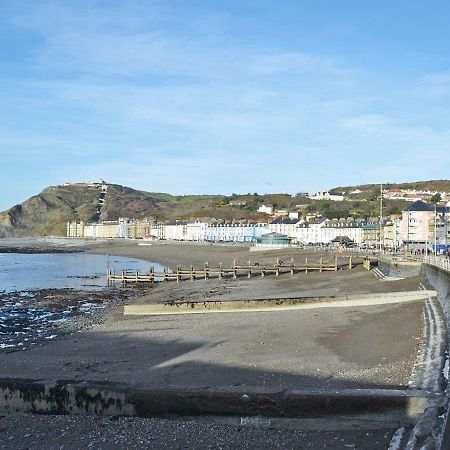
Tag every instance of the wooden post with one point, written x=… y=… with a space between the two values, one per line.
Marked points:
x=306 y=265
x=178 y=273
x=335 y=264
x=350 y=267
x=153 y=274
x=292 y=265
x=192 y=273
x=220 y=271
x=206 y=270
x=137 y=276
x=321 y=265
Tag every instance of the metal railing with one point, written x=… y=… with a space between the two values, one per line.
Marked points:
x=439 y=261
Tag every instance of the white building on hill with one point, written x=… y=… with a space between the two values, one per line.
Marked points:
x=326 y=195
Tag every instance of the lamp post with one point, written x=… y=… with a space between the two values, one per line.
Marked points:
x=435 y=230
x=381 y=216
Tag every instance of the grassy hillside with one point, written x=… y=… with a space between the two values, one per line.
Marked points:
x=372 y=190
x=48 y=212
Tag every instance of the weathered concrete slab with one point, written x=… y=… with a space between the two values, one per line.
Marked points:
x=119 y=399
x=278 y=304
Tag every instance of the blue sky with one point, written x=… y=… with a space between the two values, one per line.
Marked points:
x=222 y=96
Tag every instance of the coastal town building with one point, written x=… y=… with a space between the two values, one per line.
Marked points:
x=310 y=232
x=75 y=229
x=235 y=232
x=273 y=240
x=417 y=220
x=412 y=195
x=328 y=195
x=371 y=234
x=285 y=226
x=421 y=226
x=341 y=229
x=392 y=234
x=266 y=209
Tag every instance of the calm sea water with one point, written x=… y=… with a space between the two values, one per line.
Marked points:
x=20 y=272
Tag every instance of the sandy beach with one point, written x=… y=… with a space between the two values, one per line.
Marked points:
x=130 y=359
x=317 y=349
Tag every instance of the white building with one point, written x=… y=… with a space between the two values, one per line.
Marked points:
x=196 y=231
x=392 y=233
x=323 y=231
x=285 y=226
x=311 y=232
x=174 y=230
x=235 y=232
x=334 y=228
x=326 y=195
x=266 y=209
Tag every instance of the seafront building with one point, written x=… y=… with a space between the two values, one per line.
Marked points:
x=421 y=226
x=235 y=232
x=122 y=228
x=425 y=226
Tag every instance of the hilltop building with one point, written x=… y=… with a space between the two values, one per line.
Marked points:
x=266 y=209
x=328 y=195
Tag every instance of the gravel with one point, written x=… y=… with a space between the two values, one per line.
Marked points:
x=74 y=432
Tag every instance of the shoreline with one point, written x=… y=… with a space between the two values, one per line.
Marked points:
x=330 y=341
x=325 y=349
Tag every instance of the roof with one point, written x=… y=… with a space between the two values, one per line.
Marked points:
x=318 y=221
x=285 y=221
x=274 y=235
x=342 y=239
x=419 y=205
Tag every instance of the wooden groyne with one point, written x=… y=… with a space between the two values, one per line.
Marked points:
x=235 y=271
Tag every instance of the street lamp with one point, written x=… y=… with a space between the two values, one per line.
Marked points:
x=435 y=230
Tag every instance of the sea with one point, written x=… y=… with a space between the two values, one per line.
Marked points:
x=21 y=272
x=30 y=316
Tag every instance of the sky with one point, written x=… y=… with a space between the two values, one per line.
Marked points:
x=221 y=97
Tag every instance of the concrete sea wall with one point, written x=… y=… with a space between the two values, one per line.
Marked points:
x=439 y=279
x=399 y=269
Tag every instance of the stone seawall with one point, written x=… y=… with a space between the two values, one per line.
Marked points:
x=399 y=269
x=439 y=279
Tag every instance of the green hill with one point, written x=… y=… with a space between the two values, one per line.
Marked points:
x=48 y=212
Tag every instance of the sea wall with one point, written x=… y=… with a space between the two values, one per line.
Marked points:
x=439 y=280
x=399 y=269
